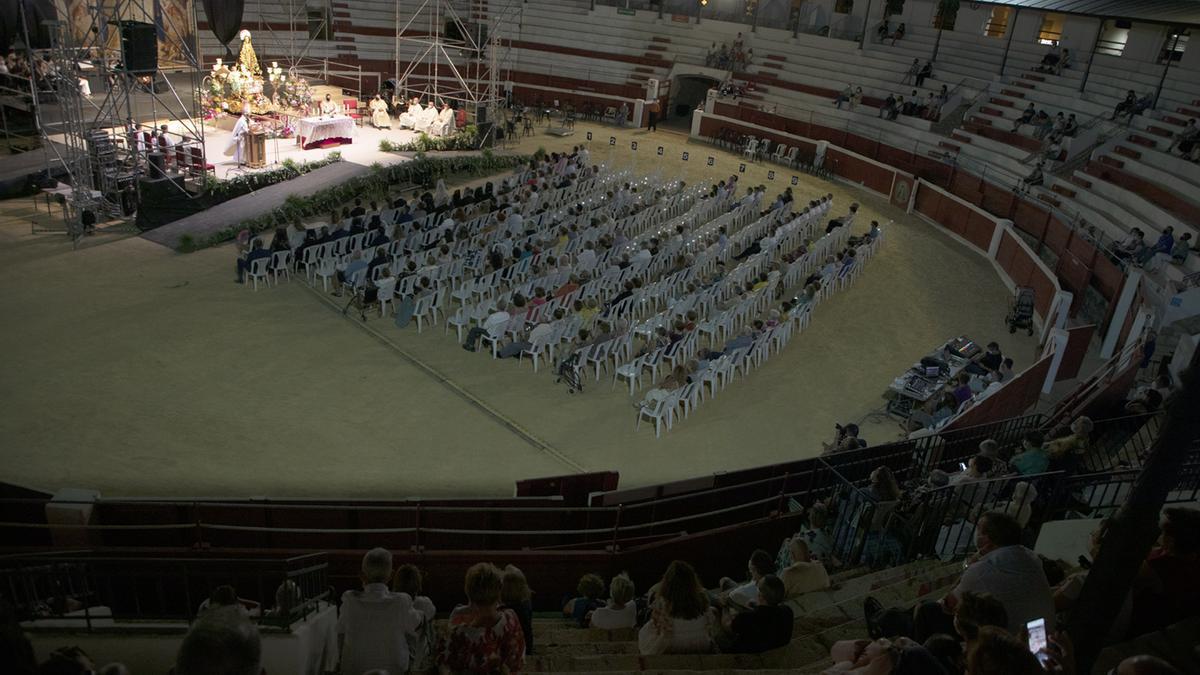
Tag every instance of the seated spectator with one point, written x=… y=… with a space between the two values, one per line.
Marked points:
x=912 y=72
x=898 y=34
x=374 y=623
x=1144 y=664
x=815 y=533
x=590 y=591
x=1126 y=106
x=988 y=362
x=492 y=325
x=1071 y=126
x=925 y=73
x=1020 y=504
x=681 y=621
x=1051 y=59
x=1147 y=401
x=226 y=596
x=515 y=596
x=1033 y=458
x=1043 y=124
x=1073 y=445
x=1186 y=138
x=1027 y=116
x=1034 y=179
x=761 y=564
x=421 y=644
x=804 y=574
x=1183 y=246
x=1167 y=588
x=221 y=641
x=256 y=252
x=1002 y=567
x=890 y=109
x=883 y=30
x=767 y=626
x=620 y=611
x=481 y=637
x=1130 y=246
x=844 y=97
x=997 y=652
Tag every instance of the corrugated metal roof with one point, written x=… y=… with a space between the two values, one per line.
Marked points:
x=1186 y=12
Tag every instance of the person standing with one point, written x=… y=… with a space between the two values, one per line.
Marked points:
x=655 y=107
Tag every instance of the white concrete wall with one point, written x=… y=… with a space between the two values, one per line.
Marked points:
x=1145 y=41
x=1079 y=34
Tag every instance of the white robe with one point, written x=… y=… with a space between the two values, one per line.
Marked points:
x=237 y=142
x=328 y=108
x=444 y=124
x=409 y=117
x=425 y=120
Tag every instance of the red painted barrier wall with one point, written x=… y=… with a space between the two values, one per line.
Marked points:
x=1078 y=339
x=1014 y=398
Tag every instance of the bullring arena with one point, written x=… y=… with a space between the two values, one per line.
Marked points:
x=268 y=281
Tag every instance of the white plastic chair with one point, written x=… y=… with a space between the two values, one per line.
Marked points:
x=387 y=292
x=423 y=310
x=631 y=371
x=536 y=348
x=260 y=269
x=689 y=397
x=662 y=412
x=326 y=270
x=281 y=263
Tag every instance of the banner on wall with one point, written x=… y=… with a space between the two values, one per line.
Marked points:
x=901 y=190
x=172 y=20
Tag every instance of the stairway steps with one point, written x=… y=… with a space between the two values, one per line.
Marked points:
x=981 y=120
x=1127 y=152
x=1031 y=76
x=1014 y=94
x=1063 y=190
x=957 y=137
x=1001 y=102
x=1023 y=84
x=1174 y=120
x=986 y=110
x=1190 y=112
x=659 y=38
x=1159 y=131
x=949 y=146
x=776 y=57
x=1081 y=182
x=1142 y=140
x=1112 y=161
x=1043 y=197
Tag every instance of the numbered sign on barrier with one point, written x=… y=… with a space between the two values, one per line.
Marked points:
x=795 y=180
x=633 y=146
x=742 y=168
x=770 y=175
x=685 y=157
x=711 y=159
x=589 y=135
x=660 y=151
x=612 y=140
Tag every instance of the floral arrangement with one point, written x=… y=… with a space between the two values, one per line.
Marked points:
x=422 y=170
x=466 y=138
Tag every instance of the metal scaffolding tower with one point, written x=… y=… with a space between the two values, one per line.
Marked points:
x=455 y=52
x=97 y=137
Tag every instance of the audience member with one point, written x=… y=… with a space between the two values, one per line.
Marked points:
x=516 y=597
x=768 y=625
x=1167 y=588
x=374 y=624
x=804 y=574
x=760 y=565
x=421 y=644
x=681 y=621
x=481 y=637
x=620 y=611
x=1033 y=458
x=590 y=591
x=220 y=642
x=999 y=653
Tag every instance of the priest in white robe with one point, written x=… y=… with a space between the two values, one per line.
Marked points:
x=379 y=113
x=444 y=125
x=328 y=107
x=237 y=143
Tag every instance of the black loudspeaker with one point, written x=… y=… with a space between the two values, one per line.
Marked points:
x=158 y=164
x=487 y=134
x=139 y=42
x=481 y=116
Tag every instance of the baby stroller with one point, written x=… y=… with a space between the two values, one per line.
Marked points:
x=1020 y=313
x=570 y=372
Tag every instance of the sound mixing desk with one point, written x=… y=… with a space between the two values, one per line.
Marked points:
x=930 y=375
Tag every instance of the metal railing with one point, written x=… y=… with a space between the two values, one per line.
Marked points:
x=85 y=591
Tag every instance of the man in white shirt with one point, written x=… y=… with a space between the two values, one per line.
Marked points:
x=373 y=622
x=620 y=611
x=761 y=564
x=493 y=325
x=1002 y=567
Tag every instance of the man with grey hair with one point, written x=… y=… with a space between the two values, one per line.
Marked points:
x=374 y=622
x=222 y=641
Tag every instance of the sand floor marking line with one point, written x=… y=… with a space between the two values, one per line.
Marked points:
x=509 y=423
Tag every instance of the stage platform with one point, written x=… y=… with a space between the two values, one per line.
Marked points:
x=363 y=150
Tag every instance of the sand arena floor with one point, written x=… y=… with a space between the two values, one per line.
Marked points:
x=139 y=371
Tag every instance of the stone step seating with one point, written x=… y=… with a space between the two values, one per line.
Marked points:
x=1152 y=204
x=824 y=617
